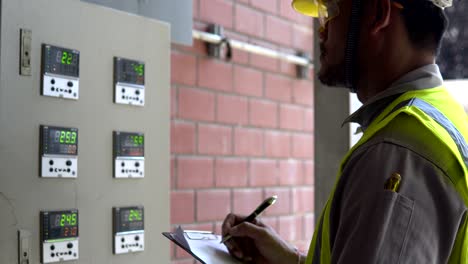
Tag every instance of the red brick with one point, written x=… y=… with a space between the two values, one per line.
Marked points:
x=182 y=207
x=196 y=104
x=248 y=142
x=303 y=146
x=173 y=102
x=288 y=68
x=266 y=5
x=303 y=92
x=291 y=117
x=182 y=254
x=270 y=221
x=303 y=200
x=249 y=21
x=195 y=173
x=288 y=12
x=309 y=120
x=198 y=47
x=248 y=81
x=291 y=172
x=278 y=88
x=213 y=205
x=215 y=74
x=182 y=137
x=278 y=30
x=277 y=144
x=238 y=56
x=263 y=62
x=309 y=226
x=263 y=172
x=302 y=38
x=214 y=140
x=283 y=203
x=246 y=200
x=183 y=68
x=263 y=113
x=232 y=109
x=290 y=227
x=216 y=12
x=231 y=172
x=309 y=177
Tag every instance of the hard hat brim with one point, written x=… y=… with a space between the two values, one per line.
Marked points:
x=306 y=7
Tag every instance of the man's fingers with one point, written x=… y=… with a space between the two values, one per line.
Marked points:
x=230 y=221
x=247 y=229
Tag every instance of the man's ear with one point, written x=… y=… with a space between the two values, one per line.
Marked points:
x=382 y=10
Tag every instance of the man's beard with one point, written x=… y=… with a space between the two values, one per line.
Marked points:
x=332 y=74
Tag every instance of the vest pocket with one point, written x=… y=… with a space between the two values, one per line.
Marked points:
x=397 y=212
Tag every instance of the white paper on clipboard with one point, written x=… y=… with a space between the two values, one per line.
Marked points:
x=204 y=246
x=207 y=247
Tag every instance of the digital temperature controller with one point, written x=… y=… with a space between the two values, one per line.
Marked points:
x=59 y=235
x=129 y=230
x=59 y=151
x=60 y=72
x=129 y=81
x=129 y=156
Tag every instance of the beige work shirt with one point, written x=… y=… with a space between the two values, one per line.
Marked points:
x=416 y=225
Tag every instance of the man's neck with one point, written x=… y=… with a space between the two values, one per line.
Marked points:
x=384 y=72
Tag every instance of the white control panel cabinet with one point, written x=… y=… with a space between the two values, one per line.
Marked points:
x=84 y=138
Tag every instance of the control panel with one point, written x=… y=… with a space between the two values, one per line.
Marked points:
x=129 y=157
x=59 y=152
x=129 y=230
x=129 y=82
x=60 y=72
x=59 y=235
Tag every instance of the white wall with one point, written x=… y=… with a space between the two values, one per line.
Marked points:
x=459 y=88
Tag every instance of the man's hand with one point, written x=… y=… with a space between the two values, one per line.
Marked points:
x=256 y=242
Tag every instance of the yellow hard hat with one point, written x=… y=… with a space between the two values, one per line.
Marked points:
x=306 y=7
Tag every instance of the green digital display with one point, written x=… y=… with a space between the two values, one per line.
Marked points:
x=129 y=219
x=129 y=144
x=59 y=140
x=65 y=137
x=60 y=224
x=65 y=57
x=129 y=71
x=62 y=61
x=65 y=220
x=135 y=140
x=138 y=68
x=134 y=215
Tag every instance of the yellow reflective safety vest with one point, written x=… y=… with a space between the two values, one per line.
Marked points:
x=439 y=113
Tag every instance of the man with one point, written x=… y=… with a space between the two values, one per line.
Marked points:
x=401 y=193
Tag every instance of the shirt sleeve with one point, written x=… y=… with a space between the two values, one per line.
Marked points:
x=416 y=224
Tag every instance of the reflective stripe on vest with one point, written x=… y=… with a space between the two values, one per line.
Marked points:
x=440 y=118
x=318 y=253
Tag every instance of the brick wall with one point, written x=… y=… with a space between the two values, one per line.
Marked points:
x=243 y=130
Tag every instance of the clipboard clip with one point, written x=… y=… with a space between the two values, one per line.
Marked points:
x=200 y=235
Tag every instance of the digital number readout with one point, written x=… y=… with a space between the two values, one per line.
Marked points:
x=129 y=144
x=59 y=140
x=61 y=224
x=129 y=71
x=61 y=61
x=131 y=219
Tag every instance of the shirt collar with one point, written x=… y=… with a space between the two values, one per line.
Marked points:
x=425 y=77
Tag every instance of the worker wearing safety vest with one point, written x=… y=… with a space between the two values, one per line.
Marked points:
x=401 y=193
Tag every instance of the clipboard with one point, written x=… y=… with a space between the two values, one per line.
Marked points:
x=202 y=245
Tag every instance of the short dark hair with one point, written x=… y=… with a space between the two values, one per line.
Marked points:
x=426 y=23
